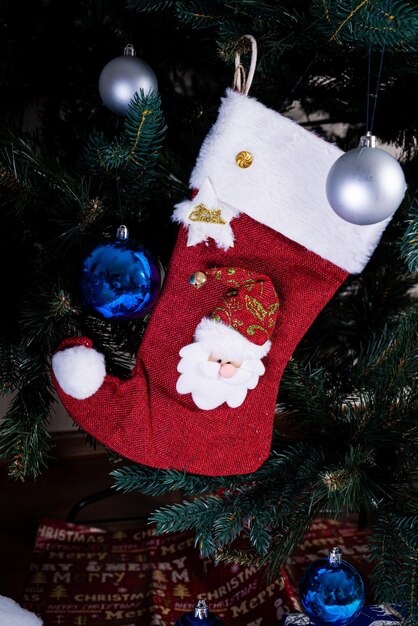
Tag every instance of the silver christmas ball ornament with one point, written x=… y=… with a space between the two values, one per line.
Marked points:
x=365 y=185
x=122 y=77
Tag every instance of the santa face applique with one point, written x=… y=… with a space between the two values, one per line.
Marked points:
x=224 y=362
x=212 y=380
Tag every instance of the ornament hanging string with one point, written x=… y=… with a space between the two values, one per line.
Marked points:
x=369 y=71
x=121 y=212
x=379 y=78
x=242 y=82
x=202 y=577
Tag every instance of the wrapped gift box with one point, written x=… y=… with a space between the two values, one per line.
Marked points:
x=86 y=576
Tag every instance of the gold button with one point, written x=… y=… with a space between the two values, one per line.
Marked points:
x=244 y=159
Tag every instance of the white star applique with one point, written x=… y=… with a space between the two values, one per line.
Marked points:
x=205 y=216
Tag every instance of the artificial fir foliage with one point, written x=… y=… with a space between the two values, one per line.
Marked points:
x=345 y=436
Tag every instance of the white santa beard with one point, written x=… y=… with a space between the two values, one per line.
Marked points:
x=209 y=390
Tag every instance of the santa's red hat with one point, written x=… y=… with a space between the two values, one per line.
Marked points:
x=242 y=322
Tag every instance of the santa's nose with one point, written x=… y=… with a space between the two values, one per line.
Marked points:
x=227 y=370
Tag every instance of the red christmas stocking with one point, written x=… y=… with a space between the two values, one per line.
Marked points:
x=268 y=252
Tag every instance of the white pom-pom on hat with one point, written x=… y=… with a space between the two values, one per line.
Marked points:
x=80 y=371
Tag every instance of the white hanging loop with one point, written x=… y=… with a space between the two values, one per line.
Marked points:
x=242 y=82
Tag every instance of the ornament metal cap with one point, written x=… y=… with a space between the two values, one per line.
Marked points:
x=335 y=556
x=368 y=140
x=129 y=51
x=122 y=232
x=201 y=609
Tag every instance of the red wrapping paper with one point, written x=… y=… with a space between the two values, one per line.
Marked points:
x=84 y=576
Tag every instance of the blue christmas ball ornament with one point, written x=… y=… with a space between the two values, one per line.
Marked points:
x=120 y=279
x=200 y=616
x=331 y=590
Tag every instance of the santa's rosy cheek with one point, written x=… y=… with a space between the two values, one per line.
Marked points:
x=227 y=370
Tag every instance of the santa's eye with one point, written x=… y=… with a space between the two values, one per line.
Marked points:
x=228 y=362
x=219 y=361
